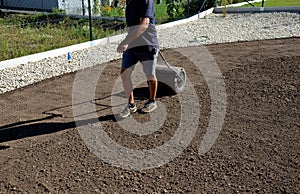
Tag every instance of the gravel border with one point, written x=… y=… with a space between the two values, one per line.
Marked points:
x=211 y=29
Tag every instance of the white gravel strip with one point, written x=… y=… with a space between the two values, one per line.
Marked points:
x=232 y=28
x=209 y=30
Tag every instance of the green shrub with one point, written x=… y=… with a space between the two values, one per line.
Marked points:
x=175 y=9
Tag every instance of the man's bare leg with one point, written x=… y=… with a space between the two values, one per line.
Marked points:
x=127 y=84
x=152 y=86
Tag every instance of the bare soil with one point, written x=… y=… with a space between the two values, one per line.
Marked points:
x=257 y=150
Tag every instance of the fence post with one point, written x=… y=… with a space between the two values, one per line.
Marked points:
x=83 y=8
x=90 y=20
x=263 y=3
x=202 y=6
x=188 y=11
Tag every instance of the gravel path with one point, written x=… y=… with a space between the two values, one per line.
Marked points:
x=210 y=30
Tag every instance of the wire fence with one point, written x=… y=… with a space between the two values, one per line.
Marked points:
x=31 y=26
x=75 y=7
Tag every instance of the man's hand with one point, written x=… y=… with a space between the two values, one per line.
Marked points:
x=122 y=47
x=135 y=33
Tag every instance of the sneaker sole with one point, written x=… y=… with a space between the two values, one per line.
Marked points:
x=131 y=111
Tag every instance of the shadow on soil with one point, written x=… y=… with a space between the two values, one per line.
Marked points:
x=37 y=127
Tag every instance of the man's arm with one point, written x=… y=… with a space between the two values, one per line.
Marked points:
x=137 y=31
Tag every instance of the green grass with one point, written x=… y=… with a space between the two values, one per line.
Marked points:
x=274 y=3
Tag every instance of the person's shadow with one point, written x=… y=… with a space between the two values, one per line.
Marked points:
x=40 y=126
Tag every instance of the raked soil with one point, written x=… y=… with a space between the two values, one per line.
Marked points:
x=257 y=150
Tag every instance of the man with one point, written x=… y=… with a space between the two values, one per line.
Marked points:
x=140 y=45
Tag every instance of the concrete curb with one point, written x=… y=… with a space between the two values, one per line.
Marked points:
x=11 y=63
x=294 y=9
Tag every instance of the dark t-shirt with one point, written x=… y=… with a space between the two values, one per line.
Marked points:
x=136 y=9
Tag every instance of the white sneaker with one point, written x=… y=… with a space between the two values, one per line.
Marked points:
x=128 y=110
x=149 y=107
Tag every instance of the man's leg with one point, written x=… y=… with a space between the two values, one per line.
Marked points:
x=149 y=70
x=128 y=62
x=152 y=86
x=127 y=84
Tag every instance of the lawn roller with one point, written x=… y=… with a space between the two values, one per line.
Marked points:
x=170 y=77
